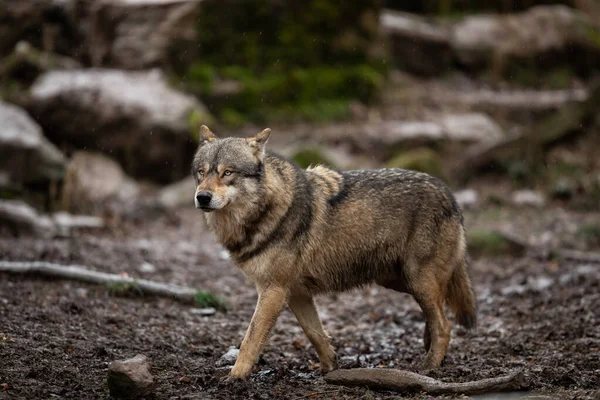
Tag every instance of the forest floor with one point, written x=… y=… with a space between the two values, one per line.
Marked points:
x=57 y=337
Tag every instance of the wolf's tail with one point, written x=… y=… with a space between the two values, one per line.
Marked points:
x=461 y=297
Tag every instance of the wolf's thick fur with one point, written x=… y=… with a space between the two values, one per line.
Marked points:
x=298 y=233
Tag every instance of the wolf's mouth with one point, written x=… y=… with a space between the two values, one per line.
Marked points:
x=207 y=209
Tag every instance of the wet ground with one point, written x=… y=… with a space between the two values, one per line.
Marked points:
x=57 y=337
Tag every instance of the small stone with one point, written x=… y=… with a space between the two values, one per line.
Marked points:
x=228 y=358
x=467 y=198
x=528 y=198
x=130 y=379
x=147 y=268
x=224 y=255
x=204 y=312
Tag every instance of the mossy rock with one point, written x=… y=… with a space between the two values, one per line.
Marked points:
x=490 y=243
x=311 y=156
x=420 y=159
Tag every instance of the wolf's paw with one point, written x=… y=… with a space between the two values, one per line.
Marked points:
x=240 y=372
x=329 y=365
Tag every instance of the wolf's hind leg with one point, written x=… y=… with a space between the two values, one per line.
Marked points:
x=270 y=302
x=430 y=296
x=306 y=313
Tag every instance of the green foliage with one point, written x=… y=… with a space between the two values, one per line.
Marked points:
x=311 y=156
x=120 y=288
x=421 y=159
x=485 y=242
x=206 y=299
x=295 y=60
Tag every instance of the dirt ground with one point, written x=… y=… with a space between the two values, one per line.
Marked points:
x=57 y=337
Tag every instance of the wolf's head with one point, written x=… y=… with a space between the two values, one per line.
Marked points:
x=227 y=169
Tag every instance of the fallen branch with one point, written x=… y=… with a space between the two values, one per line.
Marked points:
x=79 y=273
x=580 y=256
x=406 y=381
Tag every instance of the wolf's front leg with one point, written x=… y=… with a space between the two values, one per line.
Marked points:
x=270 y=302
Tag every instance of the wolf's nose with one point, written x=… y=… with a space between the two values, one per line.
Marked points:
x=203 y=198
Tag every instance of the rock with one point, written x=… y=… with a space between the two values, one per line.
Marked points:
x=396 y=132
x=137 y=34
x=65 y=222
x=21 y=218
x=130 y=379
x=541 y=33
x=228 y=358
x=420 y=159
x=135 y=116
x=472 y=127
x=465 y=128
x=26 y=63
x=204 y=312
x=46 y=24
x=178 y=194
x=467 y=198
x=528 y=198
x=147 y=268
x=26 y=156
x=416 y=45
x=94 y=181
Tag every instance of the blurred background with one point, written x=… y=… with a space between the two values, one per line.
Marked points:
x=100 y=107
x=498 y=94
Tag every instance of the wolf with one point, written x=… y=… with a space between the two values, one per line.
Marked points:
x=297 y=233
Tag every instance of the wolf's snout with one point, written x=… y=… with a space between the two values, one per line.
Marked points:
x=203 y=198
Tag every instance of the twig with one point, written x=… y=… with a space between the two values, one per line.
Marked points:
x=406 y=381
x=79 y=273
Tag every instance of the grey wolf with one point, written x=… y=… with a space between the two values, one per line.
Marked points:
x=298 y=233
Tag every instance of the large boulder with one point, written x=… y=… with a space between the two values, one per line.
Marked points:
x=134 y=116
x=417 y=45
x=94 y=182
x=137 y=34
x=26 y=156
x=543 y=36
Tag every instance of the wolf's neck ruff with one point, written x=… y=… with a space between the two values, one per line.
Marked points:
x=280 y=209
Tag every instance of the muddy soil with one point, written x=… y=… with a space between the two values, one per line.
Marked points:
x=57 y=337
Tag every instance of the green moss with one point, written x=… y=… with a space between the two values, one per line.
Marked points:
x=197 y=118
x=311 y=156
x=294 y=60
x=527 y=74
x=590 y=233
x=489 y=243
x=232 y=118
x=206 y=299
x=421 y=159
x=124 y=289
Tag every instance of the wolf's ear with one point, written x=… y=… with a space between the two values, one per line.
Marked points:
x=259 y=141
x=206 y=135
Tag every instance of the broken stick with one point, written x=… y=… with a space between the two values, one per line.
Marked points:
x=406 y=381
x=79 y=273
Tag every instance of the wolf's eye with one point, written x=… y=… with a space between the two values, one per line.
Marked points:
x=201 y=172
x=227 y=172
